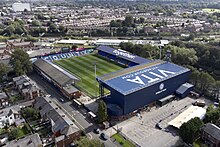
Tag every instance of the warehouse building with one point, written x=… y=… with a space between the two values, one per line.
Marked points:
x=188 y=114
x=142 y=85
x=19 y=7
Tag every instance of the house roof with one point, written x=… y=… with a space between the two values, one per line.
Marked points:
x=32 y=140
x=212 y=130
x=70 y=89
x=25 y=84
x=2 y=46
x=9 y=110
x=56 y=73
x=3 y=95
x=60 y=122
x=21 y=44
x=184 y=87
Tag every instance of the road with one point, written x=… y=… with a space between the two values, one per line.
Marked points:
x=78 y=115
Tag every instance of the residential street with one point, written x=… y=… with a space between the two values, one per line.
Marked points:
x=78 y=115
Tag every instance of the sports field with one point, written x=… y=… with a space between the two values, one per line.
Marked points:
x=83 y=67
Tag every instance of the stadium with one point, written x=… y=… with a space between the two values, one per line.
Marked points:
x=126 y=82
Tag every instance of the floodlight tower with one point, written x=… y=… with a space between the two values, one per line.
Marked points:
x=168 y=56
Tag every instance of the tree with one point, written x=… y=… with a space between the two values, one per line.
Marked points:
x=114 y=23
x=9 y=30
x=74 y=47
x=129 y=21
x=3 y=71
x=142 y=20
x=126 y=46
x=31 y=113
x=86 y=142
x=189 y=131
x=13 y=133
x=192 y=37
x=217 y=89
x=206 y=81
x=195 y=77
x=35 y=23
x=62 y=29
x=182 y=55
x=20 y=62
x=212 y=115
x=102 y=112
x=25 y=10
x=52 y=28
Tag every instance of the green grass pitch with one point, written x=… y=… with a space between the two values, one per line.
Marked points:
x=83 y=67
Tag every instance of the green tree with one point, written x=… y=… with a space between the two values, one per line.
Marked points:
x=129 y=21
x=62 y=29
x=113 y=23
x=217 y=89
x=102 y=112
x=74 y=46
x=9 y=30
x=192 y=37
x=212 y=115
x=52 y=28
x=86 y=142
x=142 y=20
x=182 y=55
x=31 y=113
x=25 y=10
x=189 y=131
x=35 y=23
x=206 y=81
x=3 y=70
x=13 y=133
x=20 y=62
x=195 y=77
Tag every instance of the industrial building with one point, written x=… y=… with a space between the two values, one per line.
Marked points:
x=19 y=7
x=142 y=85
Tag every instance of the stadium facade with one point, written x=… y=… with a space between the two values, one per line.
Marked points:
x=141 y=85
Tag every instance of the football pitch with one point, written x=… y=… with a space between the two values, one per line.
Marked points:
x=84 y=68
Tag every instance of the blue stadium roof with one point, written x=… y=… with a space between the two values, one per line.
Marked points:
x=135 y=78
x=123 y=54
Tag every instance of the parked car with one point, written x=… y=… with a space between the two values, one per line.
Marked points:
x=97 y=131
x=62 y=100
x=158 y=126
x=104 y=136
x=199 y=103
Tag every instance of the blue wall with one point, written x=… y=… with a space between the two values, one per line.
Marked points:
x=136 y=100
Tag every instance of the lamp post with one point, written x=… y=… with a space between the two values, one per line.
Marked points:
x=94 y=63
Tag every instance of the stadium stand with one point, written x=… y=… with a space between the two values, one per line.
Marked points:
x=56 y=73
x=142 y=85
x=121 y=56
x=129 y=70
x=58 y=77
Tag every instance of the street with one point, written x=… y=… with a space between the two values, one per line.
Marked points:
x=78 y=115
